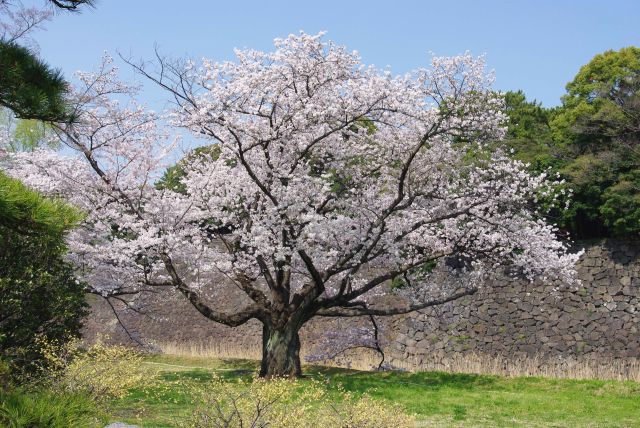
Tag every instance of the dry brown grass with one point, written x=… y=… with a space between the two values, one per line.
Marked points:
x=210 y=350
x=588 y=367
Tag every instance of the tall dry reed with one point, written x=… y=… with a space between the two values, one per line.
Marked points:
x=587 y=367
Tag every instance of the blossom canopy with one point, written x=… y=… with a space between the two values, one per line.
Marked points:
x=330 y=179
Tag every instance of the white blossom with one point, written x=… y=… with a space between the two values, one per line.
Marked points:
x=332 y=179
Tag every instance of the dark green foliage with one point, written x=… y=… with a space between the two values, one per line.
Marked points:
x=592 y=141
x=172 y=178
x=43 y=409
x=620 y=209
x=29 y=87
x=419 y=273
x=598 y=135
x=530 y=139
x=529 y=133
x=39 y=295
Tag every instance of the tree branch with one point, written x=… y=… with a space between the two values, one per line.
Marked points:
x=362 y=311
x=232 y=320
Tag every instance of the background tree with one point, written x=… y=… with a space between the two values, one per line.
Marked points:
x=530 y=139
x=529 y=135
x=25 y=134
x=598 y=135
x=173 y=176
x=332 y=179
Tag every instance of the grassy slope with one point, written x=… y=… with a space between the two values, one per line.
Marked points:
x=439 y=399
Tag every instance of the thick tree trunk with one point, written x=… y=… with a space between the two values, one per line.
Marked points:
x=280 y=352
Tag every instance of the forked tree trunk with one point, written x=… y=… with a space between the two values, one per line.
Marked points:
x=280 y=352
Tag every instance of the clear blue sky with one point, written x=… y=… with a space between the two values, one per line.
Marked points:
x=536 y=46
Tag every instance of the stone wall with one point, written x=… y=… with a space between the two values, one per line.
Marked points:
x=506 y=318
x=511 y=318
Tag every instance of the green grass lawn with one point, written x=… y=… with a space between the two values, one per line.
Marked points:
x=438 y=399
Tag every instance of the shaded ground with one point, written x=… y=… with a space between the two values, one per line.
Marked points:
x=438 y=399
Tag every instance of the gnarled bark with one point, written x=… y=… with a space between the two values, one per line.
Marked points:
x=280 y=351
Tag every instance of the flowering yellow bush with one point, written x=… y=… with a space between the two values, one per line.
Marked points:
x=283 y=403
x=101 y=371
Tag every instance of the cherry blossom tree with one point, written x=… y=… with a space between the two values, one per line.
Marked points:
x=333 y=183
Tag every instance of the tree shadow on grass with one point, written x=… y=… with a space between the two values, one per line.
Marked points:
x=240 y=365
x=363 y=381
x=197 y=375
x=354 y=380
